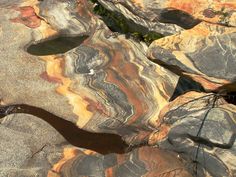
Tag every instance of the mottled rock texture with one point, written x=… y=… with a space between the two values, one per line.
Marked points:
x=60 y=57
x=145 y=161
x=201 y=128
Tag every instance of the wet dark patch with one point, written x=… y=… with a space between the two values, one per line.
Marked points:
x=103 y=143
x=179 y=18
x=54 y=46
x=185 y=85
x=230 y=97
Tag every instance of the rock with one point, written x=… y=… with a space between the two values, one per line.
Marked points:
x=28 y=147
x=187 y=13
x=206 y=53
x=141 y=14
x=117 y=88
x=31 y=147
x=59 y=58
x=106 y=84
x=145 y=161
x=202 y=129
x=22 y=72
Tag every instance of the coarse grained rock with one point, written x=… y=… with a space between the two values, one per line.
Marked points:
x=29 y=146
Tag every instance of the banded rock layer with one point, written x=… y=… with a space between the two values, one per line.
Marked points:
x=145 y=161
x=58 y=56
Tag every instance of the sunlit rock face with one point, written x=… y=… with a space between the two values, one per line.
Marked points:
x=107 y=82
x=145 y=161
x=28 y=146
x=57 y=55
x=206 y=53
x=121 y=91
x=202 y=129
x=186 y=13
x=142 y=13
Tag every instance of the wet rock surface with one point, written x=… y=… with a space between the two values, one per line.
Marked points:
x=78 y=99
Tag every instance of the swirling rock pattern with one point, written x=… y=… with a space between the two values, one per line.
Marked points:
x=186 y=13
x=145 y=161
x=206 y=53
x=106 y=84
x=119 y=86
x=203 y=130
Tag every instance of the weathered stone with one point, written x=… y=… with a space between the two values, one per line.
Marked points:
x=108 y=80
x=145 y=161
x=206 y=53
x=138 y=13
x=185 y=13
x=201 y=128
x=28 y=146
x=58 y=56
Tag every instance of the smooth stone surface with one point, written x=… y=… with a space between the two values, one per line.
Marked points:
x=203 y=133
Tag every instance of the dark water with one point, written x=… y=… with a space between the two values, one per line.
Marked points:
x=57 y=45
x=230 y=97
x=179 y=18
x=100 y=142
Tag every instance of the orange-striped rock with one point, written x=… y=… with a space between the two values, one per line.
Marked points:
x=186 y=13
x=145 y=161
x=206 y=53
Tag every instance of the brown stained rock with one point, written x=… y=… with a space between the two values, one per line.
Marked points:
x=106 y=84
x=27 y=17
x=145 y=161
x=144 y=11
x=206 y=53
x=113 y=87
x=143 y=14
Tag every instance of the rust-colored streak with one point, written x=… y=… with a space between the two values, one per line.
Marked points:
x=54 y=69
x=189 y=6
x=130 y=69
x=109 y=172
x=51 y=79
x=207 y=84
x=28 y=17
x=160 y=135
x=158 y=162
x=94 y=106
x=82 y=11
